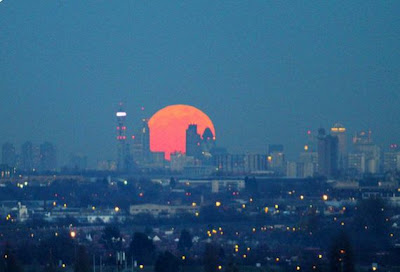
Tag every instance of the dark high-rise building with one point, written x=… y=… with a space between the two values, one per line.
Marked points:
x=9 y=157
x=327 y=154
x=124 y=159
x=48 y=157
x=141 y=144
x=193 y=141
x=340 y=131
x=145 y=140
x=208 y=141
x=28 y=156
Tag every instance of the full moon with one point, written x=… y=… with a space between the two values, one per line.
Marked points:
x=168 y=128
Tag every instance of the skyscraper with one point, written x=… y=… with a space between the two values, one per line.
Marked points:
x=123 y=158
x=141 y=145
x=30 y=157
x=208 y=141
x=339 y=131
x=327 y=154
x=193 y=140
x=9 y=157
x=48 y=157
x=391 y=158
x=145 y=140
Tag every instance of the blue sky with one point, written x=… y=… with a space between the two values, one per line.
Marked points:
x=264 y=71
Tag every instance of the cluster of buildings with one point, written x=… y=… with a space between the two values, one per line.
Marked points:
x=31 y=158
x=133 y=152
x=325 y=153
x=329 y=154
x=333 y=155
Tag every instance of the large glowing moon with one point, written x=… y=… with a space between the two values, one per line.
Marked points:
x=168 y=128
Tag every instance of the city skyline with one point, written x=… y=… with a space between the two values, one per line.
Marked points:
x=131 y=131
x=264 y=72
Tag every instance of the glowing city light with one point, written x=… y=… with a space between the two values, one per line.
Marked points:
x=121 y=114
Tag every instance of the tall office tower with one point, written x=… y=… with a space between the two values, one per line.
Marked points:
x=276 y=159
x=339 y=131
x=123 y=156
x=207 y=146
x=327 y=154
x=311 y=141
x=193 y=140
x=9 y=157
x=141 y=144
x=145 y=140
x=363 y=144
x=27 y=156
x=208 y=141
x=48 y=157
x=391 y=159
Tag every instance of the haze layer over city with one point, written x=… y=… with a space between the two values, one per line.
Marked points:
x=199 y=136
x=278 y=69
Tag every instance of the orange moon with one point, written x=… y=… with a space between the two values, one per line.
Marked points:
x=168 y=128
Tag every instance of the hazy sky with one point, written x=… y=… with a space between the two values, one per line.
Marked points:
x=264 y=71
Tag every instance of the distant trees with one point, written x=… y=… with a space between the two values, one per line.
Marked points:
x=251 y=185
x=59 y=246
x=8 y=261
x=111 y=238
x=142 y=248
x=341 y=254
x=231 y=267
x=371 y=216
x=185 y=241
x=212 y=258
x=370 y=227
x=82 y=263
x=166 y=262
